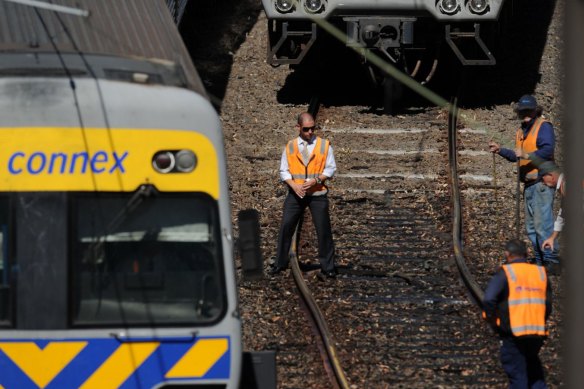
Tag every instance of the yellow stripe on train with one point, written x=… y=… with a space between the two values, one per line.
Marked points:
x=41 y=366
x=118 y=367
x=98 y=159
x=199 y=359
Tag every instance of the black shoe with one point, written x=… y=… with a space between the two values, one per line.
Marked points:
x=277 y=270
x=329 y=274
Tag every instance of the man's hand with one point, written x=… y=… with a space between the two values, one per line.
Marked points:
x=491 y=320
x=520 y=153
x=494 y=147
x=548 y=243
x=298 y=189
x=309 y=184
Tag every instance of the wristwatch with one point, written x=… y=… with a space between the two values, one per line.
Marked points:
x=318 y=180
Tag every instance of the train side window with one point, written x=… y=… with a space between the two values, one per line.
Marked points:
x=157 y=263
x=5 y=287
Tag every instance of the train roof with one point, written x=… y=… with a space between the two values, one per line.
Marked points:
x=131 y=30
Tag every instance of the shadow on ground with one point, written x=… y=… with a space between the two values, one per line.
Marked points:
x=212 y=32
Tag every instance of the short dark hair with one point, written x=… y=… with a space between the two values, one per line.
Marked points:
x=516 y=247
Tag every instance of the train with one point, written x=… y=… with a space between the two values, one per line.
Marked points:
x=117 y=265
x=177 y=9
x=407 y=34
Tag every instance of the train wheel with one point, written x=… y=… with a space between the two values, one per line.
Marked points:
x=392 y=95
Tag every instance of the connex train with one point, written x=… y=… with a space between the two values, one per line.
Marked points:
x=116 y=248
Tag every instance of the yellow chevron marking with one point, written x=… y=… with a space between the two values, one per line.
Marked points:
x=199 y=359
x=41 y=366
x=120 y=365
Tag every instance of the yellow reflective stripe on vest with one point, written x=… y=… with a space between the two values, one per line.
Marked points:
x=323 y=146
x=511 y=273
x=527 y=301
x=529 y=330
x=303 y=176
x=291 y=147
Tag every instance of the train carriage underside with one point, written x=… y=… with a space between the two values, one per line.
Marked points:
x=407 y=34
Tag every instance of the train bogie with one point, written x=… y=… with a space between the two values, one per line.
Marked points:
x=411 y=36
x=389 y=28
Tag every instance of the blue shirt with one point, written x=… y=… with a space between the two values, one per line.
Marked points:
x=545 y=142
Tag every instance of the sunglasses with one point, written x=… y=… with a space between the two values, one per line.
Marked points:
x=306 y=129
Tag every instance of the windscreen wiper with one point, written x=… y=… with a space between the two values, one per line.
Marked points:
x=94 y=253
x=52 y=7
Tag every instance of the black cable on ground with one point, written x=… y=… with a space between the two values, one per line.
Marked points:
x=317 y=318
x=468 y=279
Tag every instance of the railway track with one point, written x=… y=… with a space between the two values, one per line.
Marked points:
x=404 y=311
x=399 y=314
x=392 y=181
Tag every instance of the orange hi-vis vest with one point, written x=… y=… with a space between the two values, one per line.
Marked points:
x=527 y=298
x=315 y=166
x=527 y=170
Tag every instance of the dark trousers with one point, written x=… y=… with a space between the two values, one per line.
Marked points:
x=294 y=207
x=520 y=360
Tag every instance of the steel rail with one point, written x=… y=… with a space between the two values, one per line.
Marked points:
x=468 y=279
x=329 y=356
x=328 y=351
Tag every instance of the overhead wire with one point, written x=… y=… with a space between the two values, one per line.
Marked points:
x=99 y=93
x=136 y=199
x=84 y=134
x=73 y=86
x=72 y=83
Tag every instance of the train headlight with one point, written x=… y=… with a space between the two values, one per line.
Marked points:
x=313 y=6
x=186 y=161
x=163 y=161
x=448 y=7
x=478 y=6
x=284 y=6
x=173 y=161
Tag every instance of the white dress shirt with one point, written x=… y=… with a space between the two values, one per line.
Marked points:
x=559 y=223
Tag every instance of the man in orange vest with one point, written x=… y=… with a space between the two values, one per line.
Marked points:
x=306 y=163
x=535 y=140
x=517 y=303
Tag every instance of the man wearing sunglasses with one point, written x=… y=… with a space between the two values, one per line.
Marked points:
x=306 y=163
x=534 y=141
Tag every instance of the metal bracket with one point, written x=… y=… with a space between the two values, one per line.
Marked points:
x=451 y=36
x=272 y=51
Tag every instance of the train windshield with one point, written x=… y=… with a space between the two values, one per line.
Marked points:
x=146 y=260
